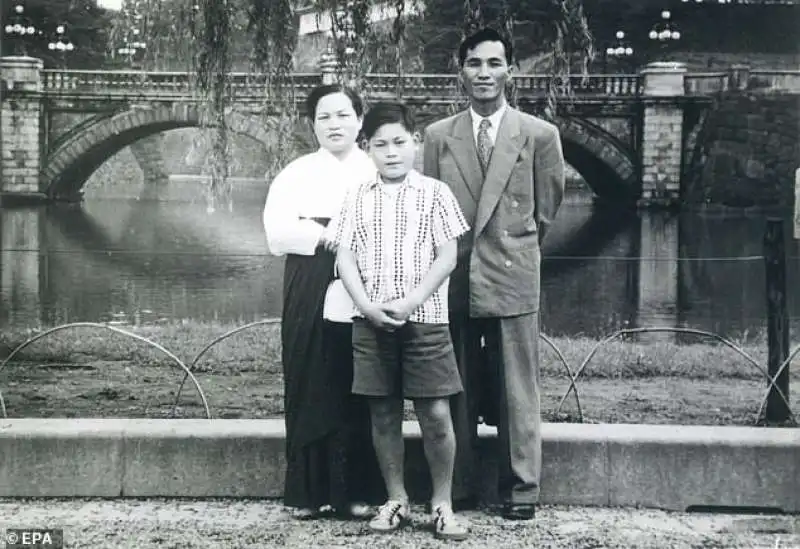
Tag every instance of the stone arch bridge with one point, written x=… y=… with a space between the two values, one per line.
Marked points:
x=625 y=134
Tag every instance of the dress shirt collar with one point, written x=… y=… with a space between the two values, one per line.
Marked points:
x=494 y=118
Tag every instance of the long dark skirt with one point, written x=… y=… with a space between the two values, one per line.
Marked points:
x=330 y=458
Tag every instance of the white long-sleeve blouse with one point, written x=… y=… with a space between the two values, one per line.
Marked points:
x=311 y=186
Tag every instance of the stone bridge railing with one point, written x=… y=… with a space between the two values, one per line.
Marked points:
x=246 y=86
x=740 y=77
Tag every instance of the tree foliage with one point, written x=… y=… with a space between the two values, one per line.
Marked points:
x=557 y=27
x=85 y=24
x=165 y=26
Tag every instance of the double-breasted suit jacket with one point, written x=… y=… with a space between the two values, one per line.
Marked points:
x=509 y=210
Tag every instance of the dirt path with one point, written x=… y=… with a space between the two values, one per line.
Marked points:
x=190 y=524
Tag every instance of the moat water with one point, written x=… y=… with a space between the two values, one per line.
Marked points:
x=140 y=261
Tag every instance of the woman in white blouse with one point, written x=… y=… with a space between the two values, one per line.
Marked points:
x=330 y=460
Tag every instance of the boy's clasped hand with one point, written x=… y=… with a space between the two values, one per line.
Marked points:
x=389 y=316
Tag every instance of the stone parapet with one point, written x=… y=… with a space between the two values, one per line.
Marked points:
x=21 y=74
x=663 y=79
x=664 y=466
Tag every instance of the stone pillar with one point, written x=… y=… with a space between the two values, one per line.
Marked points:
x=148 y=153
x=21 y=123
x=658 y=274
x=738 y=77
x=21 y=264
x=662 y=133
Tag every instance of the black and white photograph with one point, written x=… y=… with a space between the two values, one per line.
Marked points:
x=400 y=274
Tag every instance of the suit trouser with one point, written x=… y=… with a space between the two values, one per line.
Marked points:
x=511 y=365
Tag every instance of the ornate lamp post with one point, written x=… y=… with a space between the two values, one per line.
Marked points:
x=664 y=33
x=132 y=47
x=620 y=49
x=61 y=44
x=19 y=29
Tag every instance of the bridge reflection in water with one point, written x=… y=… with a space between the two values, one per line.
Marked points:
x=147 y=261
x=659 y=274
x=21 y=272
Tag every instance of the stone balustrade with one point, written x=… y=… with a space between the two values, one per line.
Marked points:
x=740 y=78
x=427 y=86
x=170 y=84
x=787 y=81
x=705 y=83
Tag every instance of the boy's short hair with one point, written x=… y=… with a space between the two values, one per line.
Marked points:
x=484 y=35
x=387 y=113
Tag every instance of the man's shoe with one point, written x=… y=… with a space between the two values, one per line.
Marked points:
x=518 y=511
x=391 y=516
x=447 y=526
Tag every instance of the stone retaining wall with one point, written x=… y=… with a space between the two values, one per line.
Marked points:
x=747 y=151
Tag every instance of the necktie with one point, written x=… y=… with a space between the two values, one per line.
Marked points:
x=484 y=143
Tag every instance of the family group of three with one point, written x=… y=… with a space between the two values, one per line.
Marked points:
x=443 y=269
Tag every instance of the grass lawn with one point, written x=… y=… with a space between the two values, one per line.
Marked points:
x=93 y=372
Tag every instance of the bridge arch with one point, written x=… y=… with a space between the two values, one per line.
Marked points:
x=607 y=164
x=78 y=154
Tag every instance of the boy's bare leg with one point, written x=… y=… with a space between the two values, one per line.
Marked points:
x=387 y=438
x=439 y=443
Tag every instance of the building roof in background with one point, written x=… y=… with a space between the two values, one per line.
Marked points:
x=311 y=21
x=114 y=5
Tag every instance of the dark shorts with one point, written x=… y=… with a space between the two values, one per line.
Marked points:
x=415 y=361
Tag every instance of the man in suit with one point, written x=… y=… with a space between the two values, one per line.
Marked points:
x=506 y=169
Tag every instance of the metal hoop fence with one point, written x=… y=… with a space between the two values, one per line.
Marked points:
x=226 y=335
x=120 y=331
x=655 y=329
x=573 y=377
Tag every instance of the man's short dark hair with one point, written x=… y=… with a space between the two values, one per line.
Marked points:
x=484 y=35
x=327 y=89
x=387 y=113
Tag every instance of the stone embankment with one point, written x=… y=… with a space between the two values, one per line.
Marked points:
x=746 y=152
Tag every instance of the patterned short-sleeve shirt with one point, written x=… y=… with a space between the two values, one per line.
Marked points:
x=394 y=232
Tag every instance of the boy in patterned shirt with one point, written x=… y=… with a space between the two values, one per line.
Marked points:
x=396 y=239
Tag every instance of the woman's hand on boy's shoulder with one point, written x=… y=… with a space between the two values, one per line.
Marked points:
x=327 y=243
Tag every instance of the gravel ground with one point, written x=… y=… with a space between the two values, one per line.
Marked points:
x=189 y=524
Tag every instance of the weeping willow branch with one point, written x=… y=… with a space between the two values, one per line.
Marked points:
x=214 y=61
x=360 y=45
x=352 y=37
x=572 y=39
x=275 y=40
x=398 y=35
x=507 y=20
